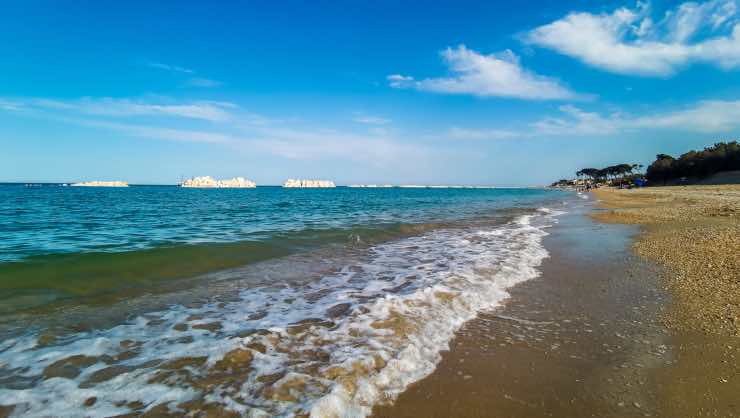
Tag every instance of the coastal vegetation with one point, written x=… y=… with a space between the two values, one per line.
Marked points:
x=722 y=156
x=607 y=173
x=615 y=175
x=689 y=167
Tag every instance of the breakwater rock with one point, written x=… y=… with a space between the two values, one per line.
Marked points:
x=308 y=183
x=210 y=182
x=101 y=184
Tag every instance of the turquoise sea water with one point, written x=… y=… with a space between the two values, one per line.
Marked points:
x=256 y=302
x=53 y=220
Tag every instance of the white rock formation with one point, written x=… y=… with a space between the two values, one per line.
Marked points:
x=101 y=184
x=308 y=183
x=210 y=182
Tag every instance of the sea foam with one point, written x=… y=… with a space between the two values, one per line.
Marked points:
x=331 y=347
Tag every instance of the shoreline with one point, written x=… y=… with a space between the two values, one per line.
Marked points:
x=693 y=233
x=255 y=325
x=606 y=330
x=577 y=341
x=590 y=336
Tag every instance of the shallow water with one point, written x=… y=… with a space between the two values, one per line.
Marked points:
x=325 y=326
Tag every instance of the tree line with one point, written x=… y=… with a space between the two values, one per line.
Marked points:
x=695 y=164
x=611 y=172
x=618 y=174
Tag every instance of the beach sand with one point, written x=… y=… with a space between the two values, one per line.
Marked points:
x=626 y=320
x=693 y=232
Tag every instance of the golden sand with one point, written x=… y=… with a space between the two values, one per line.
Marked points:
x=693 y=231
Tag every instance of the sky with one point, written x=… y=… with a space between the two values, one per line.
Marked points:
x=461 y=92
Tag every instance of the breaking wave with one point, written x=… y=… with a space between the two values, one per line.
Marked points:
x=331 y=347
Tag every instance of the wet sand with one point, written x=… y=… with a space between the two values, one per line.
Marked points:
x=635 y=314
x=582 y=340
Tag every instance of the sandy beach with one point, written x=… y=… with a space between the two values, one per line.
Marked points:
x=579 y=341
x=693 y=232
x=635 y=314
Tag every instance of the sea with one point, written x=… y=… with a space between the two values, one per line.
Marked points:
x=169 y=301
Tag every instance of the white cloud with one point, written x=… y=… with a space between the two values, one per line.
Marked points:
x=157 y=132
x=457 y=132
x=577 y=122
x=379 y=151
x=400 y=81
x=495 y=75
x=712 y=116
x=171 y=68
x=705 y=117
x=203 y=82
x=211 y=111
x=628 y=41
x=371 y=120
x=10 y=105
x=231 y=126
x=192 y=82
x=709 y=117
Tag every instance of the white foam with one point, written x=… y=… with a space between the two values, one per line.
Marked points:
x=407 y=299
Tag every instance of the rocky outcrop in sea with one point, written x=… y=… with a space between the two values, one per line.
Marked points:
x=308 y=183
x=210 y=182
x=101 y=184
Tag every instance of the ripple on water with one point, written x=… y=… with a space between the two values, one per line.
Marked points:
x=333 y=346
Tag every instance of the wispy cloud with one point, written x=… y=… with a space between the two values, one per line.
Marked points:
x=711 y=116
x=704 y=117
x=11 y=105
x=226 y=124
x=629 y=41
x=574 y=121
x=212 y=111
x=193 y=81
x=457 y=132
x=494 y=75
x=371 y=120
x=203 y=82
x=376 y=150
x=171 y=68
x=158 y=132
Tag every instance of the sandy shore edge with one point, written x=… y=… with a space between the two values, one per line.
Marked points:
x=693 y=232
x=579 y=341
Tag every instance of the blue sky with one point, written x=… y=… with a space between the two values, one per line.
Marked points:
x=360 y=92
